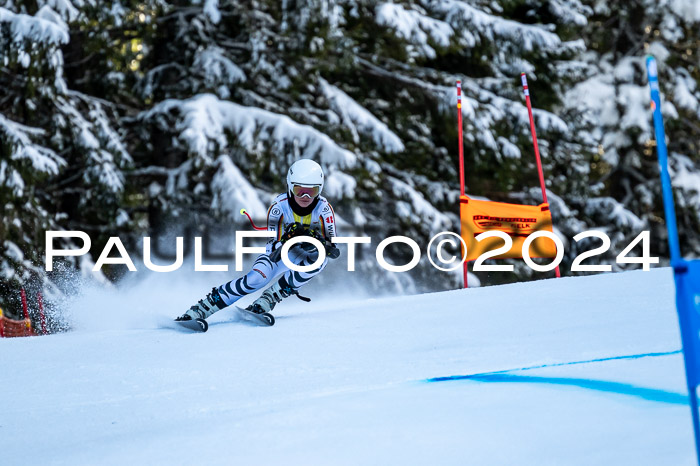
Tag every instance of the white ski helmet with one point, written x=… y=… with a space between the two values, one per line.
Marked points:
x=305 y=173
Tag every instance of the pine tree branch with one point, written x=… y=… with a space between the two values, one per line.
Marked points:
x=80 y=62
x=233 y=44
x=179 y=11
x=375 y=70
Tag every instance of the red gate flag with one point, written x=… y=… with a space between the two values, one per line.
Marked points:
x=518 y=221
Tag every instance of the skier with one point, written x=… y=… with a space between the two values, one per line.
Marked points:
x=301 y=211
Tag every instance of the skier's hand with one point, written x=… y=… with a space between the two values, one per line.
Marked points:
x=292 y=230
x=332 y=250
x=315 y=234
x=299 y=229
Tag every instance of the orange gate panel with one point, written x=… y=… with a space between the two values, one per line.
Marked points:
x=518 y=221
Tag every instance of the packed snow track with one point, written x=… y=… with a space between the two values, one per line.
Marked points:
x=563 y=371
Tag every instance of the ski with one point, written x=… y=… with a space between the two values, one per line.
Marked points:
x=265 y=318
x=198 y=325
x=201 y=325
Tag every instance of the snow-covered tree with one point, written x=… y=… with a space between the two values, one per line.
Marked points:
x=129 y=116
x=61 y=156
x=624 y=184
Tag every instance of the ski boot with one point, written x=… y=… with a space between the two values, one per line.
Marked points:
x=205 y=307
x=271 y=296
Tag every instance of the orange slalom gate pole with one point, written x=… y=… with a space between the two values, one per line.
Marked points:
x=465 y=267
x=526 y=91
x=2 y=324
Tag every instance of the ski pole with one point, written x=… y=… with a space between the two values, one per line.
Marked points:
x=244 y=212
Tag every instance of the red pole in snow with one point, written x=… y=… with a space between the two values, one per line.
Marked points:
x=465 y=268
x=42 y=316
x=526 y=91
x=25 y=309
x=459 y=130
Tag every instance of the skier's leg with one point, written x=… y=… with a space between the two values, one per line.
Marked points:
x=295 y=279
x=289 y=283
x=262 y=272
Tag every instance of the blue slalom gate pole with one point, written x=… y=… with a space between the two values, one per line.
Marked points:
x=686 y=273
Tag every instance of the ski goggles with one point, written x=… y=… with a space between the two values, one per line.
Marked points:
x=306 y=191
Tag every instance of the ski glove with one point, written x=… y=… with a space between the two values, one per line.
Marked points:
x=299 y=229
x=294 y=229
x=332 y=250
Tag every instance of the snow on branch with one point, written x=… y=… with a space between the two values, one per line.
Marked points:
x=609 y=212
x=45 y=12
x=633 y=100
x=339 y=185
x=548 y=121
x=357 y=118
x=687 y=10
x=218 y=70
x=102 y=127
x=468 y=19
x=412 y=204
x=64 y=8
x=205 y=120
x=42 y=159
x=35 y=29
x=93 y=137
x=570 y=11
x=686 y=176
x=483 y=109
x=232 y=191
x=211 y=9
x=685 y=92
x=415 y=27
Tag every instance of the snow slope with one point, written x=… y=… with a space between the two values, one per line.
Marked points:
x=588 y=373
